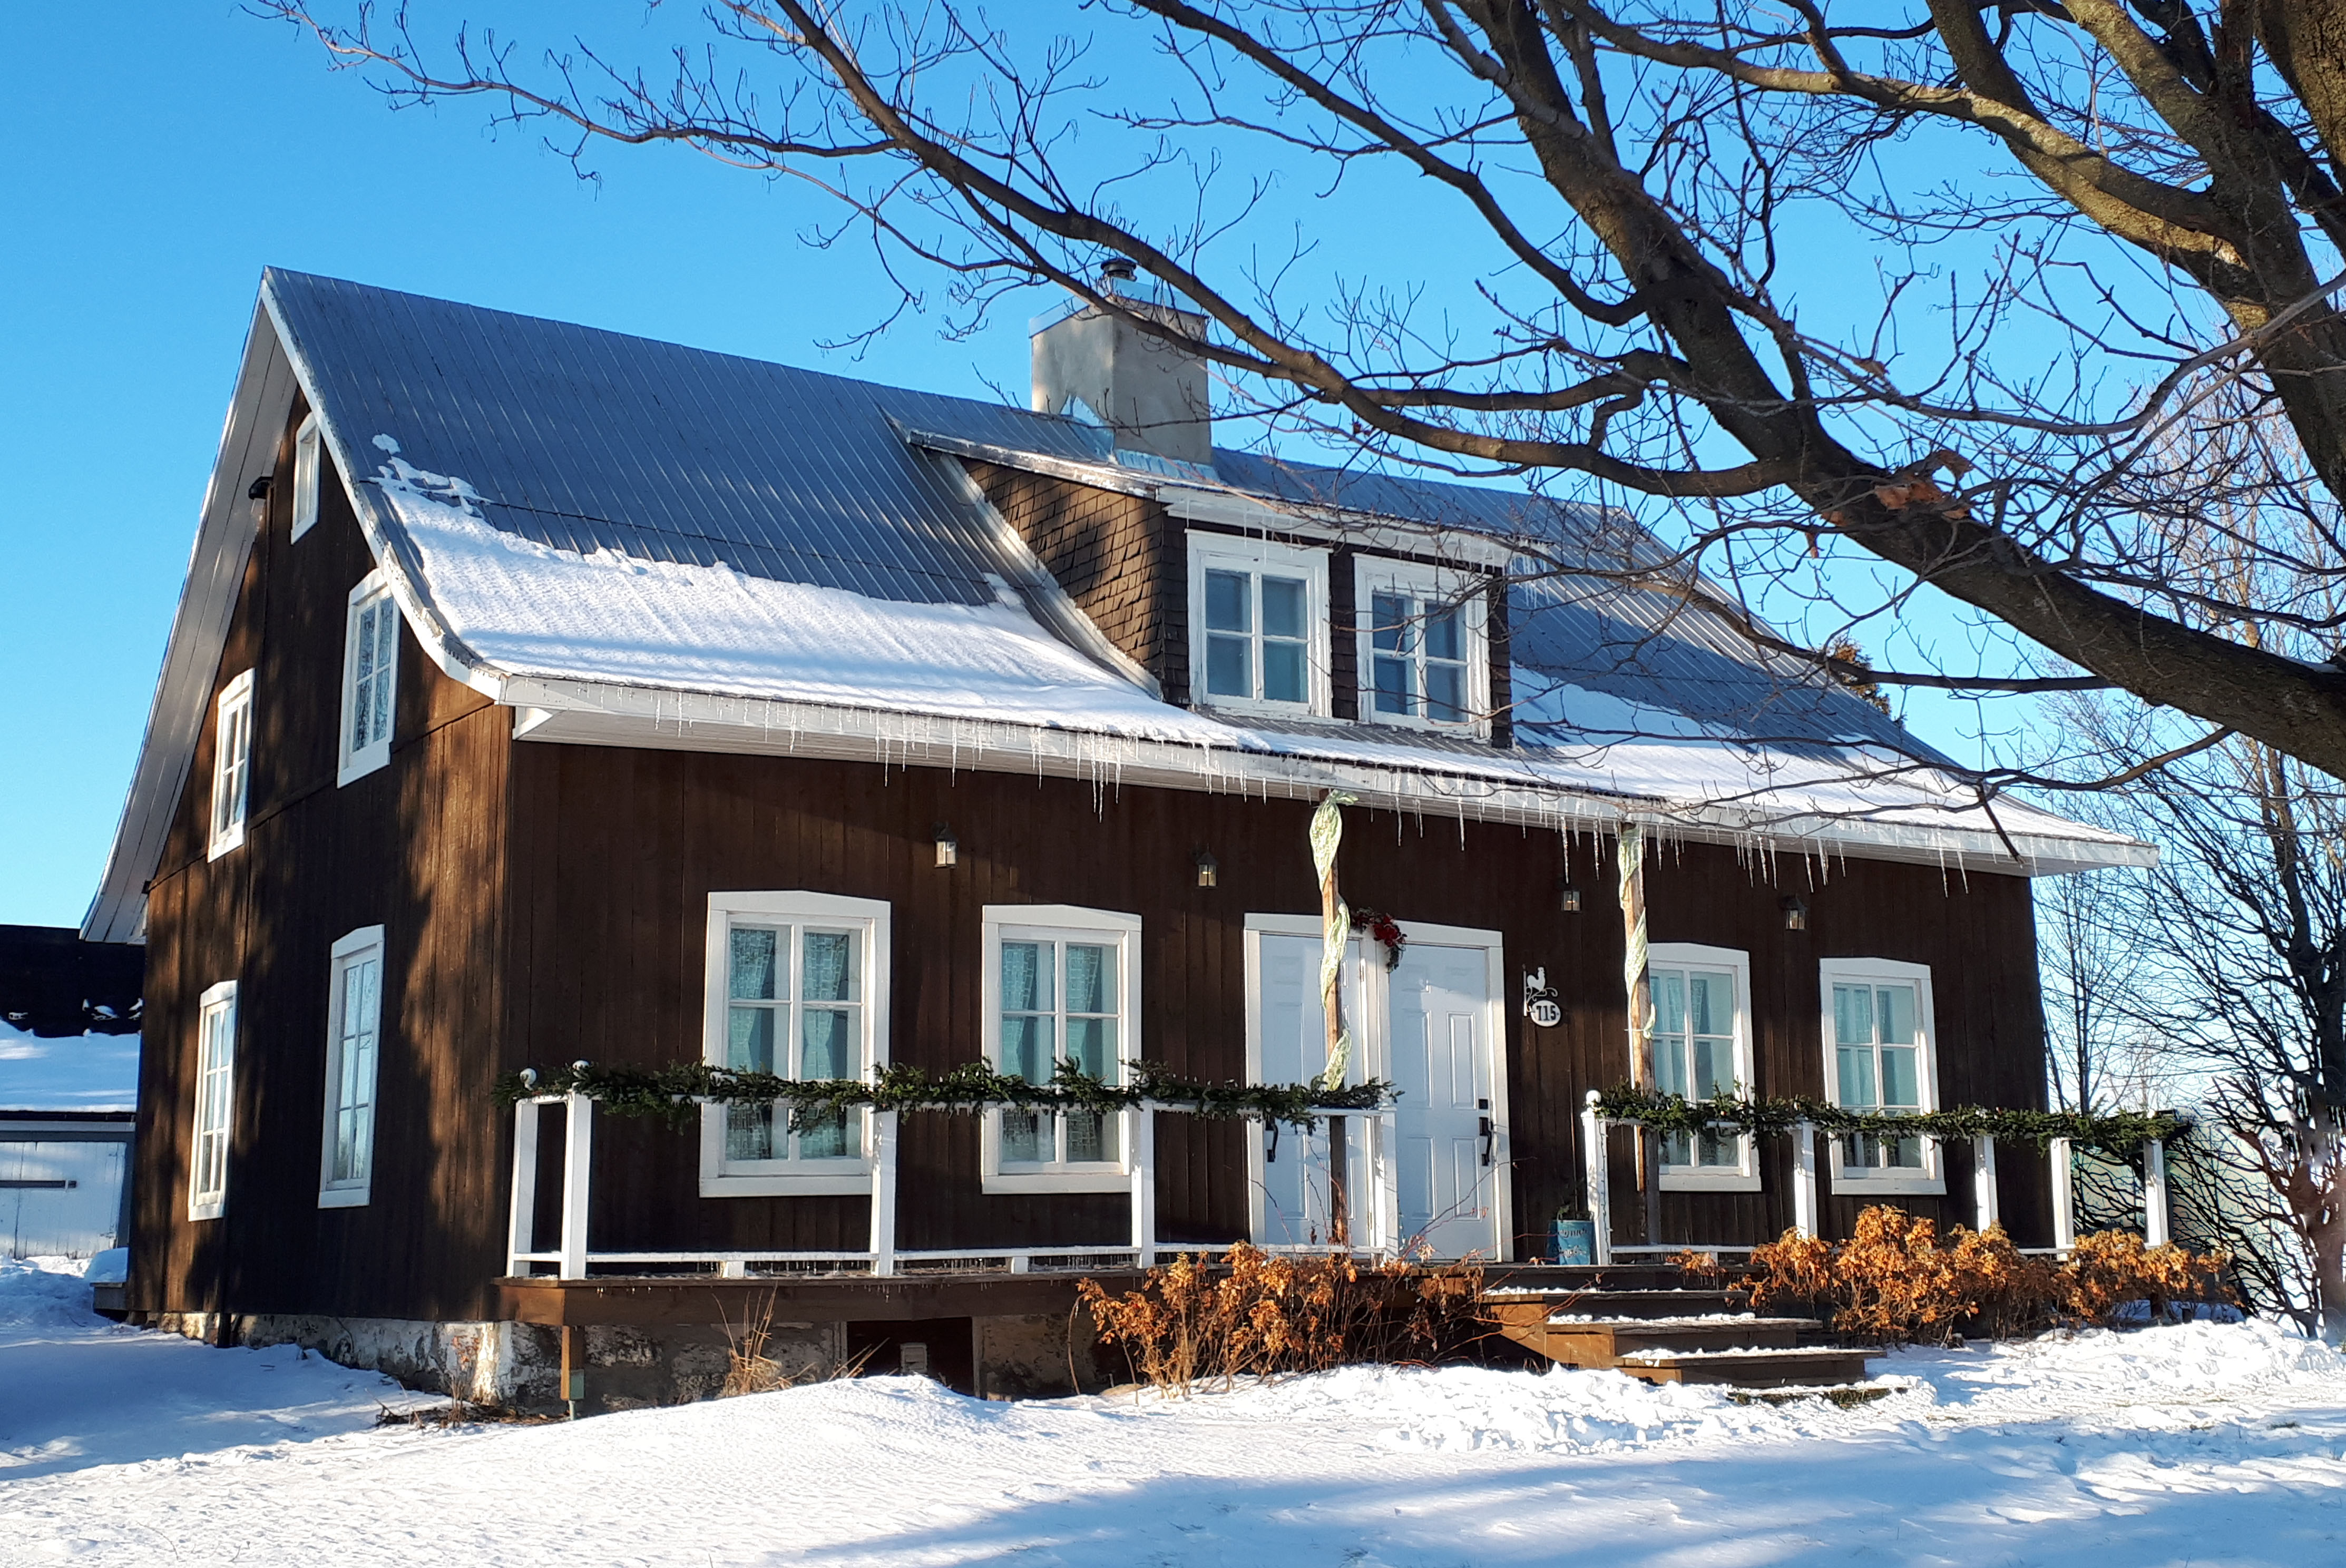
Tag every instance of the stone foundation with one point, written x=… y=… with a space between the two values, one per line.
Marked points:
x=518 y=1366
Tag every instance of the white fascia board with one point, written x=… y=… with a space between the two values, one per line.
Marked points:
x=590 y=713
x=1240 y=509
x=225 y=529
x=386 y=542
x=268 y=376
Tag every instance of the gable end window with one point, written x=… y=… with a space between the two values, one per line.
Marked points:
x=353 y=1046
x=1702 y=1047
x=370 y=679
x=1881 y=1054
x=1424 y=647
x=215 y=1097
x=797 y=985
x=309 y=444
x=231 y=765
x=1258 y=626
x=1061 y=984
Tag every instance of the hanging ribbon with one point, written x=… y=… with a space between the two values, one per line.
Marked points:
x=1335 y=932
x=1632 y=858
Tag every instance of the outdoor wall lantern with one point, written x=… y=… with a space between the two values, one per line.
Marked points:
x=948 y=847
x=1567 y=899
x=1209 y=871
x=1796 y=913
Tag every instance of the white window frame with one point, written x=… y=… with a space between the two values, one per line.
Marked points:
x=357 y=762
x=1931 y=1178
x=1062 y=922
x=351 y=1192
x=231 y=765
x=214 y=1061
x=1236 y=552
x=308 y=452
x=1466 y=590
x=1744 y=1176
x=724 y=1177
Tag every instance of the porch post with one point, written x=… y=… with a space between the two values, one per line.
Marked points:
x=1593 y=1130
x=1144 y=1186
x=1983 y=1193
x=521 y=1223
x=1385 y=1172
x=883 y=1192
x=2065 y=1198
x=2154 y=1192
x=577 y=1177
x=1804 y=1177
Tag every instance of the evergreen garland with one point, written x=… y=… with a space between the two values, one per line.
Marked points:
x=674 y=1093
x=2121 y=1134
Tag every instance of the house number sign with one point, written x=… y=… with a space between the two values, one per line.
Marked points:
x=1540 y=1004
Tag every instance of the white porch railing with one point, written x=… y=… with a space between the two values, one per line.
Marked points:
x=1987 y=1206
x=572 y=1257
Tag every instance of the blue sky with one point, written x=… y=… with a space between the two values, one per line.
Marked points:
x=156 y=166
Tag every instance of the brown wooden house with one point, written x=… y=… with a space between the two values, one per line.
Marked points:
x=540 y=694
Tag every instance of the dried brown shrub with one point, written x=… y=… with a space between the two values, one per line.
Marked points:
x=2112 y=1269
x=1894 y=1281
x=1256 y=1314
x=1698 y=1265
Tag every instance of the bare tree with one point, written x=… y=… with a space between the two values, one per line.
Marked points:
x=2146 y=192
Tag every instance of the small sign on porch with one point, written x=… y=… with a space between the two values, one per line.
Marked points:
x=1540 y=1004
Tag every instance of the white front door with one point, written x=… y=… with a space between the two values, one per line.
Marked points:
x=1288 y=1167
x=1450 y=1157
x=1438 y=1185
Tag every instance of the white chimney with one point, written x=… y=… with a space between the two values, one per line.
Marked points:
x=1149 y=392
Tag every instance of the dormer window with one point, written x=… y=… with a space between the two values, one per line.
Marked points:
x=1258 y=625
x=1424 y=647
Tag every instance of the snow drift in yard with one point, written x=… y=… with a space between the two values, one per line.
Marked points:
x=2205 y=1443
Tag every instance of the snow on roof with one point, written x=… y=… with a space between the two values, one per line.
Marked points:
x=573 y=518
x=74 y=1073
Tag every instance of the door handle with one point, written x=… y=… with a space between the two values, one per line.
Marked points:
x=1489 y=1134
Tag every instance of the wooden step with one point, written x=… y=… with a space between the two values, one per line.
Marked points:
x=1604 y=1342
x=1588 y=1276
x=1623 y=1303
x=1813 y=1367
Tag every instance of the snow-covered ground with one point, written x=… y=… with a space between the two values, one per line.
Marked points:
x=84 y=1073
x=2205 y=1444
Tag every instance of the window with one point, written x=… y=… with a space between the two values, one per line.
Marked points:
x=1059 y=986
x=353 y=1033
x=1258 y=626
x=1424 y=658
x=1702 y=1047
x=308 y=443
x=1878 y=1057
x=370 y=678
x=231 y=764
x=215 y=1101
x=796 y=986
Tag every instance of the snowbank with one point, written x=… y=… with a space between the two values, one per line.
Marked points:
x=2209 y=1444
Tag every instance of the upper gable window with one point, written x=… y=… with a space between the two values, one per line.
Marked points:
x=231 y=765
x=308 y=444
x=370 y=678
x=1424 y=650
x=1259 y=624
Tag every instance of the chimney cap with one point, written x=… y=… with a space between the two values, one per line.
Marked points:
x=1118 y=269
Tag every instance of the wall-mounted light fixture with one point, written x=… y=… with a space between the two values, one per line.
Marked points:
x=1796 y=913
x=948 y=847
x=1567 y=899
x=1208 y=870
